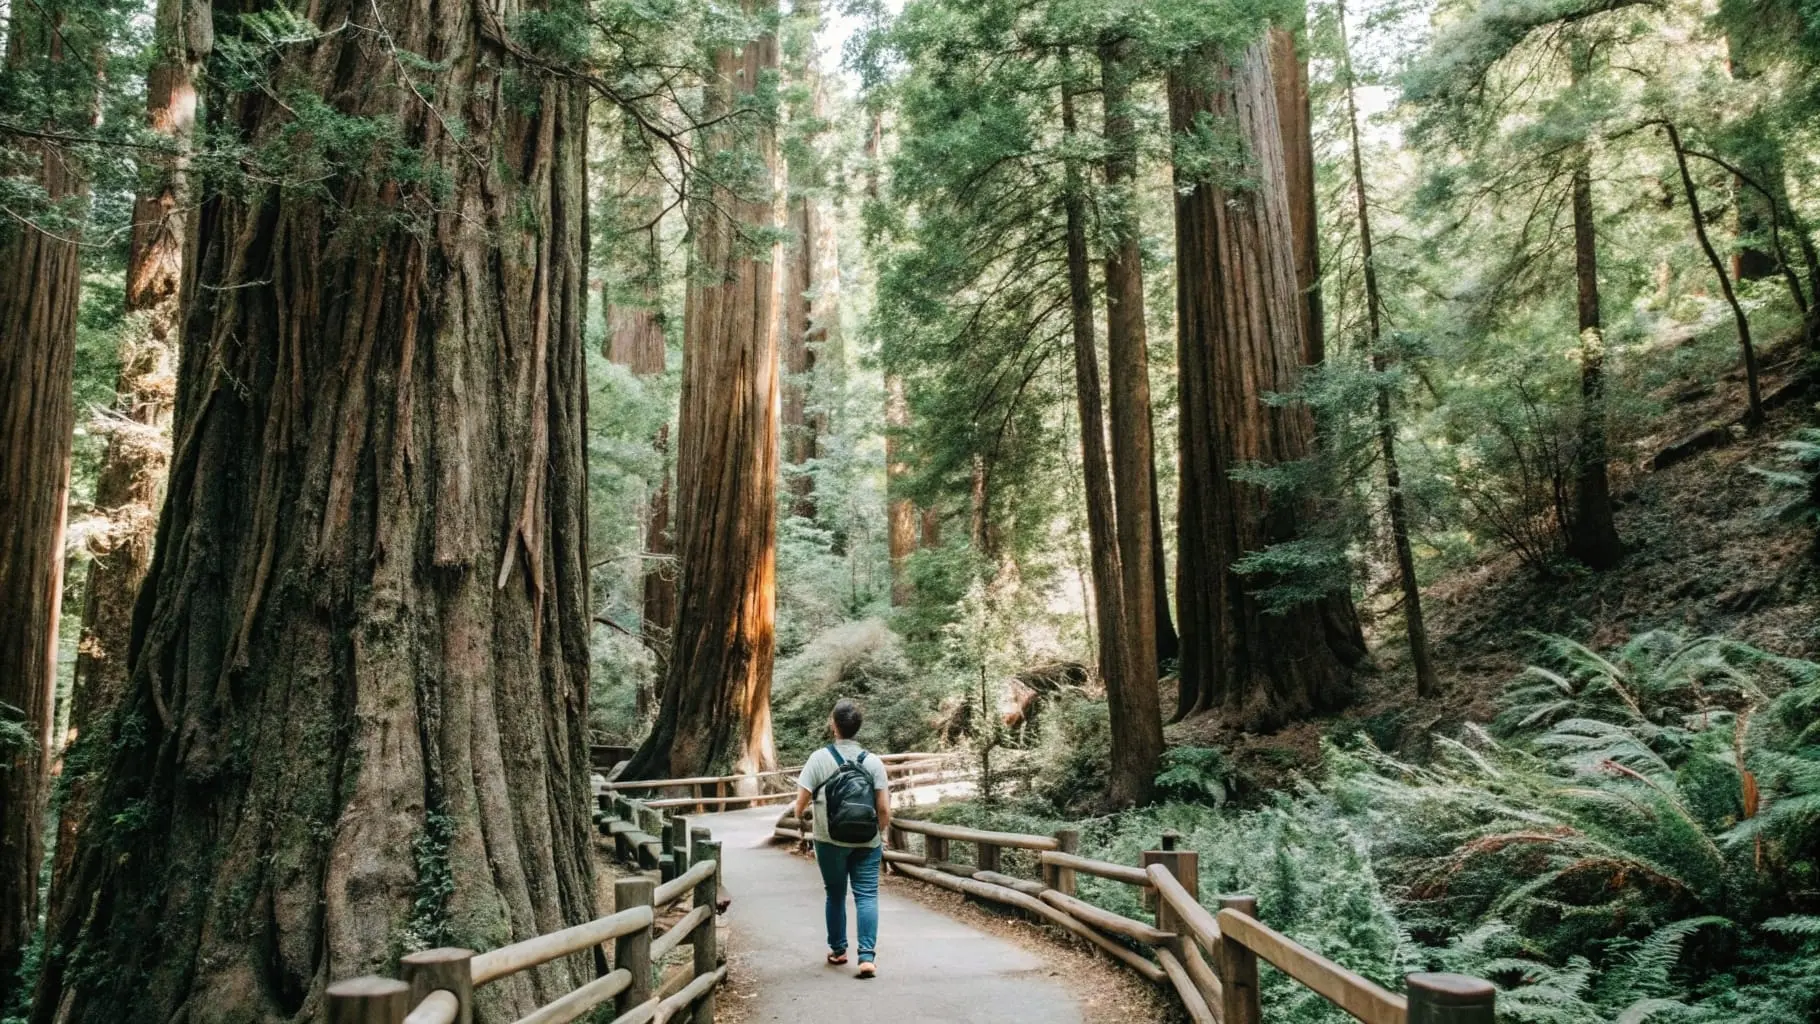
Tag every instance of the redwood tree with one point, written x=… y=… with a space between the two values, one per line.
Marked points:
x=716 y=708
x=358 y=674
x=1592 y=534
x=1240 y=340
x=42 y=81
x=1131 y=696
x=1289 y=74
x=1128 y=359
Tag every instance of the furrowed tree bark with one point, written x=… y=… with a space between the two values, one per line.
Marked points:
x=40 y=281
x=1131 y=699
x=1133 y=455
x=1416 y=629
x=1753 y=415
x=358 y=689
x=1240 y=339
x=1289 y=75
x=716 y=708
x=1592 y=537
x=130 y=485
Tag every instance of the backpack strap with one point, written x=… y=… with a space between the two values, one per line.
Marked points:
x=839 y=763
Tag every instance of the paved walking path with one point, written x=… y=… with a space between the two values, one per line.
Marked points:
x=931 y=967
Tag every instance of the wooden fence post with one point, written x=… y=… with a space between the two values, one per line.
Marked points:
x=1239 y=970
x=446 y=969
x=367 y=1000
x=1450 y=999
x=935 y=850
x=676 y=841
x=900 y=841
x=1185 y=865
x=1062 y=879
x=1166 y=849
x=604 y=806
x=633 y=952
x=988 y=858
x=707 y=954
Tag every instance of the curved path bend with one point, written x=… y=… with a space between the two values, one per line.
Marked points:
x=932 y=968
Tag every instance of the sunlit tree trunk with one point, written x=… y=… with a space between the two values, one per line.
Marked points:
x=40 y=281
x=716 y=707
x=1131 y=699
x=1239 y=334
x=356 y=715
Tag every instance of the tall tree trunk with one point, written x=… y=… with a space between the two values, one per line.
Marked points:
x=1427 y=684
x=1593 y=535
x=1239 y=332
x=1753 y=415
x=635 y=340
x=1168 y=645
x=900 y=512
x=134 y=465
x=804 y=318
x=357 y=706
x=1289 y=75
x=798 y=355
x=716 y=710
x=1128 y=359
x=40 y=283
x=1131 y=699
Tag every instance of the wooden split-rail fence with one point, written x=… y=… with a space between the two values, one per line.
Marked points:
x=1209 y=958
x=718 y=792
x=437 y=986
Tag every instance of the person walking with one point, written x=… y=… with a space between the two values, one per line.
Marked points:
x=852 y=797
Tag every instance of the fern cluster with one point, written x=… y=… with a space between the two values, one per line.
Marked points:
x=1626 y=817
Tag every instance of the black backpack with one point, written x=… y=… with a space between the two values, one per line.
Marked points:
x=852 y=801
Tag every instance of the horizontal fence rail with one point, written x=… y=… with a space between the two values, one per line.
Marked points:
x=437 y=985
x=721 y=792
x=1208 y=959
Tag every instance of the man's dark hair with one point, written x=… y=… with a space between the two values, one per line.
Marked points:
x=846 y=719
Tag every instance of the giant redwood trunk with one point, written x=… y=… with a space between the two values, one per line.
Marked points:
x=40 y=279
x=716 y=709
x=1131 y=699
x=1240 y=339
x=1592 y=535
x=1289 y=75
x=130 y=485
x=356 y=713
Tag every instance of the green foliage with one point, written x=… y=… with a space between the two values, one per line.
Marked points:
x=1192 y=774
x=863 y=660
x=430 y=917
x=15 y=735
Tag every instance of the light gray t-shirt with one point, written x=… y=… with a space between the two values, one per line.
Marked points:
x=821 y=767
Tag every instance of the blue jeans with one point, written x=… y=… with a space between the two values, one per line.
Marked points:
x=858 y=866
